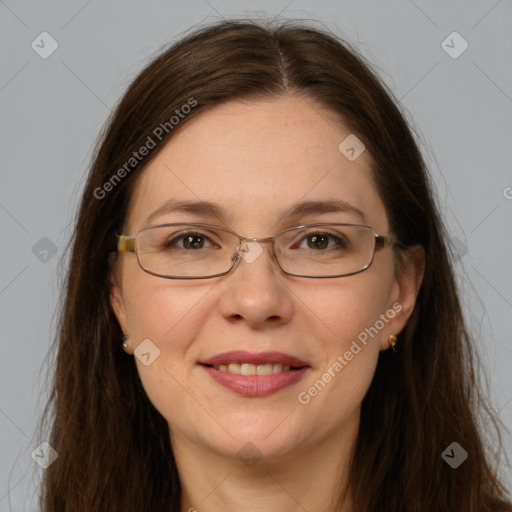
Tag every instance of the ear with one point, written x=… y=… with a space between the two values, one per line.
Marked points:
x=117 y=301
x=408 y=279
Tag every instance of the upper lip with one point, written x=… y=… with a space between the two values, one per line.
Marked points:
x=242 y=356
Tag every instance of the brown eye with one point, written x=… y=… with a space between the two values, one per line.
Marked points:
x=318 y=241
x=193 y=241
x=322 y=241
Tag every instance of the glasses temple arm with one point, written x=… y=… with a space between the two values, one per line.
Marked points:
x=385 y=240
x=126 y=243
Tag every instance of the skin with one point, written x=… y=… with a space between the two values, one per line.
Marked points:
x=256 y=159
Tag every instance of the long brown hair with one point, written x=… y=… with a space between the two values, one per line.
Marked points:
x=113 y=446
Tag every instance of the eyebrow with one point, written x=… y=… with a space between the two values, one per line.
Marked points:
x=295 y=211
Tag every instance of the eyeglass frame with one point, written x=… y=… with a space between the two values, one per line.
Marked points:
x=127 y=243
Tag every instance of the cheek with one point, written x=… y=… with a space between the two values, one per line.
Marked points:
x=336 y=392
x=170 y=316
x=343 y=310
x=166 y=313
x=160 y=309
x=345 y=321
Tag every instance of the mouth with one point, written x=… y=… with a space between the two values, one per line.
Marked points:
x=255 y=374
x=253 y=369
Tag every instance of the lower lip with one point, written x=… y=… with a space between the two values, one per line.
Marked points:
x=256 y=385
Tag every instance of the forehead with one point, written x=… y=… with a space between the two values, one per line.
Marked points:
x=256 y=159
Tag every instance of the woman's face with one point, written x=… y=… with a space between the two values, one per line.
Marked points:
x=254 y=161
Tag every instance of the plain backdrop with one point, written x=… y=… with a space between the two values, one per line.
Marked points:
x=53 y=108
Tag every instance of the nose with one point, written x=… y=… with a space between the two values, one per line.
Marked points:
x=255 y=291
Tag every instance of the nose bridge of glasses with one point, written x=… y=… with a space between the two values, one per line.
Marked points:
x=245 y=247
x=244 y=239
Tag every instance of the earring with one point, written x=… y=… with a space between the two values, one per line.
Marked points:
x=123 y=339
x=392 y=341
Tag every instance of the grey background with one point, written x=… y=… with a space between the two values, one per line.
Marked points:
x=52 y=111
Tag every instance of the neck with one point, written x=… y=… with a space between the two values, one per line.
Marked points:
x=310 y=478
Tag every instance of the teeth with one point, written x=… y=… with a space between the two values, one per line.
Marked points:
x=253 y=369
x=264 y=369
x=248 y=369
x=276 y=368
x=234 y=368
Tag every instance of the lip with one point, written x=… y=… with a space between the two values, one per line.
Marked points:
x=255 y=385
x=242 y=356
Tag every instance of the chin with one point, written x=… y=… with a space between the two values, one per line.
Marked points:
x=257 y=435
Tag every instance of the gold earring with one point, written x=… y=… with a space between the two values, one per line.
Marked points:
x=123 y=339
x=392 y=341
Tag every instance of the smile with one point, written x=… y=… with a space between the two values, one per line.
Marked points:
x=255 y=374
x=253 y=369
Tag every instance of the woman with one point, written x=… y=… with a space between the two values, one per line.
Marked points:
x=260 y=312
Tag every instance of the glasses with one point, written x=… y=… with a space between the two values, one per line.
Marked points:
x=201 y=251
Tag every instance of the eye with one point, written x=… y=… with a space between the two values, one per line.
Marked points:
x=191 y=240
x=322 y=241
